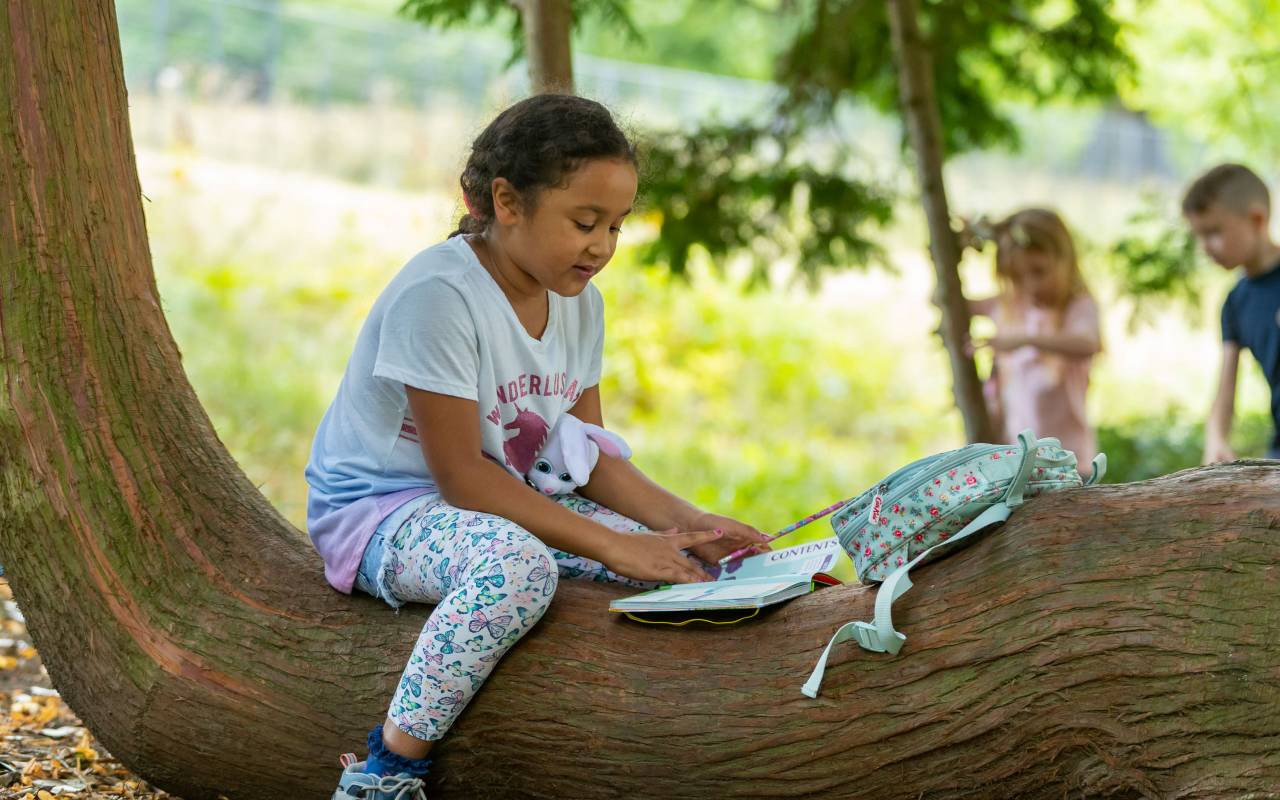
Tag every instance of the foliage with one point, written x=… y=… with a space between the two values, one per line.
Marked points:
x=797 y=189
x=758 y=189
x=712 y=187
x=292 y=50
x=1211 y=69
x=739 y=188
x=983 y=55
x=449 y=13
x=1156 y=263
x=754 y=403
x=1146 y=447
x=728 y=37
x=732 y=37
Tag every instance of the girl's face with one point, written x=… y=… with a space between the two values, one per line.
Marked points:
x=1038 y=276
x=572 y=231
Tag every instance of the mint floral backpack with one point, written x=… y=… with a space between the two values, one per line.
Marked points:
x=924 y=510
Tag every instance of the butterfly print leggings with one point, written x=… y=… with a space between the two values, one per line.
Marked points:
x=491 y=581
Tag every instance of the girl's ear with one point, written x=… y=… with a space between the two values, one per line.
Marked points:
x=578 y=456
x=508 y=205
x=610 y=443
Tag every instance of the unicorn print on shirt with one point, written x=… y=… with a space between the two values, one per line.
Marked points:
x=529 y=428
x=531 y=434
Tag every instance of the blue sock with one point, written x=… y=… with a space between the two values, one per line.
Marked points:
x=382 y=761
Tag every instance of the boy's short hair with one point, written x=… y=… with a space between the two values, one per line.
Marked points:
x=1233 y=186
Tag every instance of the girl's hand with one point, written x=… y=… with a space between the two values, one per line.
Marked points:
x=1000 y=343
x=657 y=557
x=737 y=535
x=1217 y=452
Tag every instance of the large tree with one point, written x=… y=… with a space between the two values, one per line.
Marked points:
x=1118 y=640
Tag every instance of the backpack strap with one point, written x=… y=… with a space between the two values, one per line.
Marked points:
x=844 y=634
x=1013 y=495
x=879 y=635
x=1099 y=469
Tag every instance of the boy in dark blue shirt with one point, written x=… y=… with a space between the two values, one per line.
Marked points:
x=1229 y=209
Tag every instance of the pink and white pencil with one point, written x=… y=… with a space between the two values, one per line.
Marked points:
x=739 y=553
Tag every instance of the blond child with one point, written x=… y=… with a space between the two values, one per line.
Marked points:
x=1047 y=332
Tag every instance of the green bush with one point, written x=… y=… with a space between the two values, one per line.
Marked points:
x=1145 y=447
x=765 y=405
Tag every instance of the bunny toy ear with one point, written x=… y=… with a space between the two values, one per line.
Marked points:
x=576 y=449
x=611 y=444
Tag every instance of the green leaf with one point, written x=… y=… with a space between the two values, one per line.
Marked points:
x=983 y=55
x=739 y=189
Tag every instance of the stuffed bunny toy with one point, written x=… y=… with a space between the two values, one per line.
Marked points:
x=571 y=452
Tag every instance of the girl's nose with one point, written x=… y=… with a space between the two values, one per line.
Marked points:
x=599 y=248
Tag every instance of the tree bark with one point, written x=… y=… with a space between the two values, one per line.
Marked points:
x=924 y=131
x=1117 y=640
x=547 y=27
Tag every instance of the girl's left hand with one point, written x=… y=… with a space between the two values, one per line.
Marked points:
x=737 y=535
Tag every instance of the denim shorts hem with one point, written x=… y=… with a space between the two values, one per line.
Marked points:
x=371 y=574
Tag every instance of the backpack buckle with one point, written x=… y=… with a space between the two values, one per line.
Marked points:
x=870 y=638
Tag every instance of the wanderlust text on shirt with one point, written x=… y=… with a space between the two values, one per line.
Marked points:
x=538 y=385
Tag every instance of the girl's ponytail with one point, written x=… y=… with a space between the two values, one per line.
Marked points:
x=472 y=222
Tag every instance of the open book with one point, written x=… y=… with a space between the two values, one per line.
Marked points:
x=753 y=582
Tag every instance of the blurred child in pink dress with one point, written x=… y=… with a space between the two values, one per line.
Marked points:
x=1047 y=333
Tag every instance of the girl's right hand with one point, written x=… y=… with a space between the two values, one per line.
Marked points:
x=1218 y=452
x=656 y=556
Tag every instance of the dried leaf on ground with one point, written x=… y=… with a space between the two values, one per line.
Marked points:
x=45 y=751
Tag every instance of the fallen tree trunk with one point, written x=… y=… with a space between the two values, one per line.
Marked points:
x=1117 y=640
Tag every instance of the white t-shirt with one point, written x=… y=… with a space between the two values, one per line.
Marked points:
x=442 y=325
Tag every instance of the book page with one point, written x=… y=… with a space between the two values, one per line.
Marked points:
x=802 y=559
x=701 y=595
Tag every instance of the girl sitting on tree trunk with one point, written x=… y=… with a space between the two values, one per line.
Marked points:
x=465 y=363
